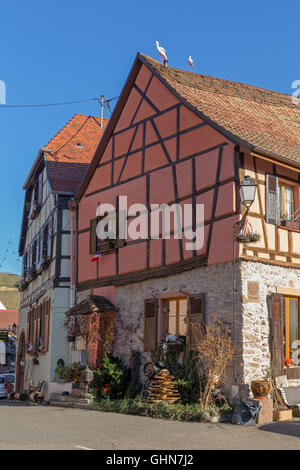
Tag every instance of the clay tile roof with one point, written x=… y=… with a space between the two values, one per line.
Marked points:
x=263 y=119
x=8 y=318
x=69 y=153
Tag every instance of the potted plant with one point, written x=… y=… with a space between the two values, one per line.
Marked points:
x=34 y=210
x=23 y=285
x=107 y=245
x=214 y=414
x=31 y=274
x=288 y=361
x=62 y=374
x=260 y=388
x=250 y=237
x=280 y=410
x=45 y=261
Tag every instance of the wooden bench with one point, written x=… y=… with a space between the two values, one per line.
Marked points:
x=290 y=395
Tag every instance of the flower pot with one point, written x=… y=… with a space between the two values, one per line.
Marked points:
x=260 y=389
x=107 y=246
x=45 y=264
x=282 y=415
x=214 y=419
x=175 y=346
x=251 y=237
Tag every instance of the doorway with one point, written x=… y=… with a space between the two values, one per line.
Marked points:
x=20 y=360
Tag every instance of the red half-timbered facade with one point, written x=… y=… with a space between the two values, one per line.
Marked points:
x=178 y=137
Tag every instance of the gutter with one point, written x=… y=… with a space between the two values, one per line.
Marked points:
x=283 y=161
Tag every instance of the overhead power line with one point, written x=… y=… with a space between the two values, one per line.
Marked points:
x=55 y=104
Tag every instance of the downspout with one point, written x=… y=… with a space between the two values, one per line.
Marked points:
x=236 y=226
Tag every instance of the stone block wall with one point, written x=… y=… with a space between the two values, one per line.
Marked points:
x=256 y=315
x=215 y=281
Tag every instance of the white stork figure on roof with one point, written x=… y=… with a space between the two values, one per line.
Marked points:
x=162 y=53
x=191 y=63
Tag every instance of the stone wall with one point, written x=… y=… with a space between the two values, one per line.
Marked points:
x=256 y=316
x=216 y=281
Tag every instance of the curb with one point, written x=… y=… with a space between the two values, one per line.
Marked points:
x=79 y=406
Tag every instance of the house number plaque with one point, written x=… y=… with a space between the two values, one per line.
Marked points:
x=253 y=291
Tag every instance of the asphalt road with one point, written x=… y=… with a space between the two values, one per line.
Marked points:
x=42 y=427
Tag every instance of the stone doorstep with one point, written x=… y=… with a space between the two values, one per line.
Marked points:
x=56 y=397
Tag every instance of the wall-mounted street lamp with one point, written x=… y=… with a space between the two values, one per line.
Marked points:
x=248 y=191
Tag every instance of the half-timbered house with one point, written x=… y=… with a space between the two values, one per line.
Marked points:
x=180 y=137
x=44 y=246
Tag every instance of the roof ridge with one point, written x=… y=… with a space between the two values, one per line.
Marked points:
x=193 y=74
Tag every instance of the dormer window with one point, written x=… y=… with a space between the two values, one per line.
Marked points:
x=37 y=198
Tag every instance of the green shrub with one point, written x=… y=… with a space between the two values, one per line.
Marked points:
x=161 y=409
x=131 y=391
x=69 y=373
x=112 y=379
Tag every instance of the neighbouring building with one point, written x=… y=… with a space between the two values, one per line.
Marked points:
x=44 y=246
x=9 y=319
x=8 y=327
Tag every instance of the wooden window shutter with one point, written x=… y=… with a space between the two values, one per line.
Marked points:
x=150 y=325
x=41 y=246
x=49 y=243
x=196 y=319
x=30 y=257
x=34 y=334
x=93 y=236
x=46 y=324
x=37 y=255
x=38 y=325
x=272 y=197
x=277 y=344
x=28 y=328
x=40 y=188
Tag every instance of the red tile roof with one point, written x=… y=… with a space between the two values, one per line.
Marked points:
x=8 y=318
x=71 y=150
x=259 y=118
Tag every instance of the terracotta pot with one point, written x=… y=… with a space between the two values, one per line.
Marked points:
x=260 y=389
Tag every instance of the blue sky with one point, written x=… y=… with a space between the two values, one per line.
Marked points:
x=67 y=50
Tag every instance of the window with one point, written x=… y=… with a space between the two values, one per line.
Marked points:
x=45 y=243
x=286 y=202
x=34 y=253
x=282 y=203
x=290 y=326
x=38 y=324
x=175 y=312
x=105 y=245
